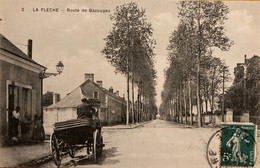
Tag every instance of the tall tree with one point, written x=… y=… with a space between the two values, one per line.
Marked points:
x=47 y=98
x=205 y=19
x=213 y=73
x=129 y=43
x=181 y=49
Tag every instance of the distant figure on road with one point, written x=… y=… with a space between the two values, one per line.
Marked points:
x=85 y=111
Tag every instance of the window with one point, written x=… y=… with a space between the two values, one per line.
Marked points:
x=95 y=95
x=25 y=100
x=11 y=99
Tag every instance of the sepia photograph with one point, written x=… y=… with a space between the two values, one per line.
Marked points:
x=130 y=84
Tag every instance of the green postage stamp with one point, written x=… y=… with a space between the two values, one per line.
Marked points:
x=238 y=145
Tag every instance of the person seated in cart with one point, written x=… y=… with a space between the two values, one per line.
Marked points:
x=87 y=112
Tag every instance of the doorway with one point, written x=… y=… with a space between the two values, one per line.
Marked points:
x=11 y=106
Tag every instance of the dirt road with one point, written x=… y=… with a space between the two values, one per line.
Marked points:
x=155 y=145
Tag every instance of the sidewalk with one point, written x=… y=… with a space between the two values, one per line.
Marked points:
x=38 y=153
x=13 y=156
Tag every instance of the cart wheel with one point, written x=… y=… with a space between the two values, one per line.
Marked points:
x=100 y=147
x=94 y=149
x=55 y=152
x=72 y=152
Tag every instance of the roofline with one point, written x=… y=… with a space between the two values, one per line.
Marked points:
x=18 y=61
x=79 y=87
x=104 y=90
x=49 y=107
x=23 y=58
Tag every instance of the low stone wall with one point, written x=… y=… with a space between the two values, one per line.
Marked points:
x=242 y=118
x=211 y=119
x=215 y=119
x=255 y=120
x=229 y=116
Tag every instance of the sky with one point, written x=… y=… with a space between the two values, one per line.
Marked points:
x=77 y=38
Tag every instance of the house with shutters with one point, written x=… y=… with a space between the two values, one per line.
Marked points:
x=20 y=85
x=112 y=108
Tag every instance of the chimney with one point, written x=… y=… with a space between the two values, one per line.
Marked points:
x=29 y=48
x=245 y=59
x=89 y=76
x=111 y=89
x=99 y=83
x=117 y=93
x=54 y=98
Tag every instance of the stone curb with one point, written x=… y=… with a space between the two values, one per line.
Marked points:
x=36 y=162
x=116 y=128
x=41 y=161
x=195 y=126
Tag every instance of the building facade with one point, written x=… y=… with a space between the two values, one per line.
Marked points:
x=247 y=82
x=20 y=85
x=112 y=109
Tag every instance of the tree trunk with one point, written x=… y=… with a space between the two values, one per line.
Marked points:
x=127 y=108
x=198 y=94
x=184 y=101
x=148 y=111
x=205 y=96
x=181 y=117
x=198 y=73
x=212 y=97
x=190 y=99
x=206 y=103
x=133 y=103
x=143 y=110
x=138 y=103
x=201 y=107
x=176 y=111
x=213 y=91
x=177 y=106
x=223 y=98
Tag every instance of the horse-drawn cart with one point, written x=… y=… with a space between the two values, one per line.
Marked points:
x=68 y=135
